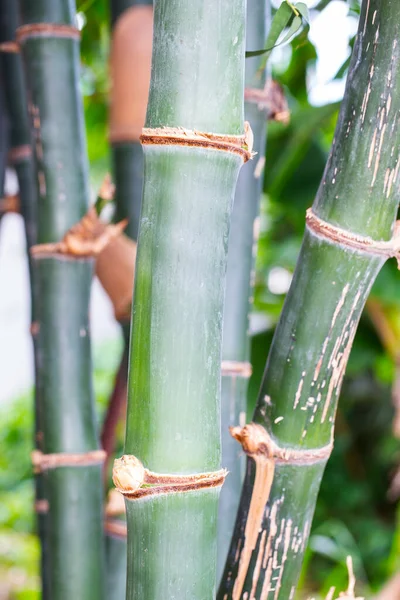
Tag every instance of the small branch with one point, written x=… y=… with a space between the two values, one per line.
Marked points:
x=115 y=407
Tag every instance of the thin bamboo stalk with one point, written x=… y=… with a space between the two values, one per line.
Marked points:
x=70 y=462
x=132 y=33
x=132 y=29
x=174 y=383
x=21 y=158
x=236 y=369
x=347 y=240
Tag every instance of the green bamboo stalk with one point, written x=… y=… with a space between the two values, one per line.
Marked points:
x=21 y=157
x=131 y=44
x=128 y=100
x=290 y=440
x=72 y=472
x=236 y=347
x=174 y=384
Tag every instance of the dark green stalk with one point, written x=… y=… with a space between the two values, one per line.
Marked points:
x=174 y=384
x=236 y=347
x=64 y=372
x=21 y=157
x=291 y=437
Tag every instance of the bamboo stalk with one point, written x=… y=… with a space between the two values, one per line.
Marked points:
x=70 y=462
x=21 y=158
x=236 y=369
x=347 y=240
x=132 y=26
x=132 y=32
x=172 y=487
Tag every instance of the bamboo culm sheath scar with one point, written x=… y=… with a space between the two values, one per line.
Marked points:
x=69 y=460
x=194 y=145
x=350 y=232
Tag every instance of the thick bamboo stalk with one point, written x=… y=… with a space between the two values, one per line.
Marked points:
x=347 y=240
x=71 y=461
x=21 y=158
x=174 y=384
x=236 y=369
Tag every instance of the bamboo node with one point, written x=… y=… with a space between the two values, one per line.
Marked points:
x=257 y=442
x=87 y=238
x=10 y=204
x=42 y=507
x=54 y=30
x=236 y=368
x=179 y=136
x=19 y=153
x=43 y=462
x=134 y=481
x=270 y=99
x=332 y=233
x=9 y=47
x=115 y=528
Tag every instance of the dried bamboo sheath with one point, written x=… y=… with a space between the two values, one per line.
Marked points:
x=73 y=490
x=359 y=195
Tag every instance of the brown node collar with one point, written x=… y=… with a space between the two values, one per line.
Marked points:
x=234 y=368
x=257 y=442
x=178 y=136
x=134 y=481
x=53 y=30
x=323 y=229
x=85 y=239
x=43 y=462
x=19 y=153
x=9 y=47
x=41 y=506
x=115 y=528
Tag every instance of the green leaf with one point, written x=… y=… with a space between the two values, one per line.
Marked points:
x=281 y=20
x=295 y=17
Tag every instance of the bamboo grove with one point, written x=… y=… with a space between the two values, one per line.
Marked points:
x=208 y=503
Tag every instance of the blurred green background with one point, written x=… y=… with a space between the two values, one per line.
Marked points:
x=357 y=508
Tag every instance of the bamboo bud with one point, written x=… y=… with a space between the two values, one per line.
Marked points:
x=128 y=473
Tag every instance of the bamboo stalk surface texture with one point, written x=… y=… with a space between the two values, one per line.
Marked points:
x=194 y=146
x=72 y=472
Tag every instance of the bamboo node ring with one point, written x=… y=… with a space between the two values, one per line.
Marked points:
x=19 y=153
x=43 y=462
x=134 y=481
x=42 y=506
x=9 y=47
x=324 y=230
x=256 y=443
x=236 y=368
x=179 y=136
x=54 y=30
